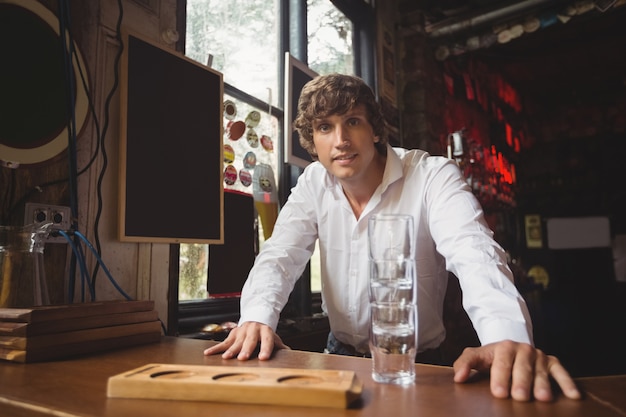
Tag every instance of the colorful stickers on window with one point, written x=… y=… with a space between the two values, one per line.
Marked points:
x=245 y=177
x=249 y=161
x=236 y=153
x=229 y=154
x=236 y=129
x=230 y=110
x=253 y=138
x=253 y=119
x=266 y=143
x=230 y=175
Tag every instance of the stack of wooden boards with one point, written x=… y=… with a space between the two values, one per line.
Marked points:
x=54 y=332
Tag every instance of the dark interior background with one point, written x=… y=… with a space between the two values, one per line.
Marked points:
x=571 y=77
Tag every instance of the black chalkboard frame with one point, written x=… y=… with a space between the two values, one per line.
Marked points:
x=171 y=152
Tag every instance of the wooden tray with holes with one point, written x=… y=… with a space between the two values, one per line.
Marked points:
x=245 y=385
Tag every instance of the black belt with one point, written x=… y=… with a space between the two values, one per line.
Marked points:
x=431 y=357
x=428 y=356
x=352 y=351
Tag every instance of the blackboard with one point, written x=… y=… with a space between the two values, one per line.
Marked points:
x=230 y=263
x=297 y=74
x=171 y=186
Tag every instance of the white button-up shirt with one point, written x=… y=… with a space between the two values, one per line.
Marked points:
x=451 y=234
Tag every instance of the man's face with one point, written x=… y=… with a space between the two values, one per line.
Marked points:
x=345 y=144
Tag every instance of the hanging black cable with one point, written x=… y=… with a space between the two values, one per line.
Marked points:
x=118 y=57
x=70 y=83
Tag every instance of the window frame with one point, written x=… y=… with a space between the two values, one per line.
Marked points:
x=188 y=316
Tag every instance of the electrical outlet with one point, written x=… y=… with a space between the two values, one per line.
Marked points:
x=60 y=216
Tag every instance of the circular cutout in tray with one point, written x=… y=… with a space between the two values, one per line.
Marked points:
x=300 y=380
x=236 y=377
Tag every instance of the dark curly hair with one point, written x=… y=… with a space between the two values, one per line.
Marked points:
x=330 y=94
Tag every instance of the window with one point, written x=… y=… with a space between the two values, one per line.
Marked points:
x=329 y=40
x=329 y=35
x=246 y=41
x=240 y=39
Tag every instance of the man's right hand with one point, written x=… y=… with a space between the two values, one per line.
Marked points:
x=244 y=339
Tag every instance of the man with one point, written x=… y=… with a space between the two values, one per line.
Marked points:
x=356 y=175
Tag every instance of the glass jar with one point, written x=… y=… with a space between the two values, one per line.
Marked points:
x=22 y=274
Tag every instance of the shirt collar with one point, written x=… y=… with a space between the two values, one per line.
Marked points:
x=393 y=169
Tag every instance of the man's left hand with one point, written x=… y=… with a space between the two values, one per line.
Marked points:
x=517 y=369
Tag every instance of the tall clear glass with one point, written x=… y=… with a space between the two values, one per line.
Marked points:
x=391 y=237
x=393 y=327
x=393 y=343
x=391 y=259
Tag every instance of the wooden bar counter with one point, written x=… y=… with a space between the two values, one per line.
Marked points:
x=78 y=387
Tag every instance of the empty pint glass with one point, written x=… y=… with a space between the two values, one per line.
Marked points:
x=391 y=281
x=22 y=272
x=393 y=342
x=390 y=236
x=391 y=260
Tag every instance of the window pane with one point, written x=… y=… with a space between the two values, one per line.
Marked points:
x=329 y=39
x=241 y=155
x=193 y=271
x=329 y=50
x=242 y=37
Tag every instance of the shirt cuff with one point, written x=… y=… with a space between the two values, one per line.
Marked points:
x=259 y=315
x=499 y=330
